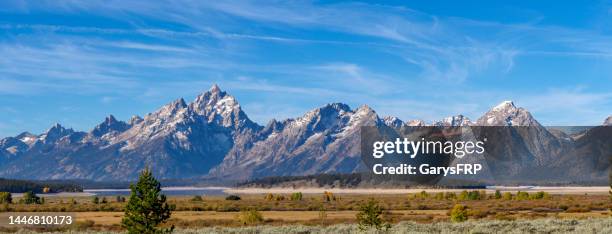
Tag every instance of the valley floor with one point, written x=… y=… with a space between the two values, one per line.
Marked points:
x=582 y=226
x=491 y=189
x=423 y=212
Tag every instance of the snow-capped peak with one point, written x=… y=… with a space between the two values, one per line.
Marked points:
x=507 y=114
x=415 y=123
x=54 y=133
x=219 y=107
x=393 y=121
x=27 y=138
x=454 y=121
x=504 y=105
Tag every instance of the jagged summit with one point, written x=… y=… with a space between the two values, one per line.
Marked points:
x=110 y=124
x=393 y=121
x=135 y=120
x=213 y=137
x=504 y=105
x=455 y=121
x=415 y=123
x=507 y=114
x=215 y=88
x=55 y=133
x=219 y=107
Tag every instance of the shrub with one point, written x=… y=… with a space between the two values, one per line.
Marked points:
x=6 y=198
x=369 y=216
x=269 y=197
x=474 y=195
x=440 y=196
x=30 y=198
x=507 y=196
x=463 y=195
x=328 y=196
x=450 y=196
x=482 y=194
x=296 y=196
x=498 y=194
x=423 y=195
x=250 y=216
x=540 y=195
x=95 y=200
x=458 y=213
x=233 y=198
x=104 y=201
x=522 y=196
x=279 y=197
x=196 y=198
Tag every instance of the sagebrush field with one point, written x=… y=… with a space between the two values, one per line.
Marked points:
x=428 y=212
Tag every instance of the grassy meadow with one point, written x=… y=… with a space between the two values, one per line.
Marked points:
x=323 y=213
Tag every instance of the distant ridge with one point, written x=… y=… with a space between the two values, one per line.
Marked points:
x=211 y=137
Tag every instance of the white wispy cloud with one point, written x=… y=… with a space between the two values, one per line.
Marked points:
x=212 y=43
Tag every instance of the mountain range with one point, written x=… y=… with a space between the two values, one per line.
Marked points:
x=211 y=137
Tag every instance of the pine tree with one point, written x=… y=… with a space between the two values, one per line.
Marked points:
x=147 y=207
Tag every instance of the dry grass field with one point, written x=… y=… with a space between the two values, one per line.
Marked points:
x=320 y=211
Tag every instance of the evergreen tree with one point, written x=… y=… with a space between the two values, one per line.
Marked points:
x=147 y=207
x=369 y=216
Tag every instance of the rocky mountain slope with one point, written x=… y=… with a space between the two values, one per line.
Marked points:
x=212 y=137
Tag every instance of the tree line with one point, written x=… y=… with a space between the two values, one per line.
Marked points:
x=22 y=186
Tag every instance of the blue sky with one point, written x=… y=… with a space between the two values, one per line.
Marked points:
x=75 y=62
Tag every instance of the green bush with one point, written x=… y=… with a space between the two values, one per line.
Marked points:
x=6 y=198
x=30 y=198
x=369 y=216
x=539 y=195
x=472 y=195
x=95 y=200
x=423 y=195
x=233 y=198
x=464 y=195
x=296 y=196
x=522 y=196
x=250 y=216
x=507 y=196
x=458 y=213
x=498 y=194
